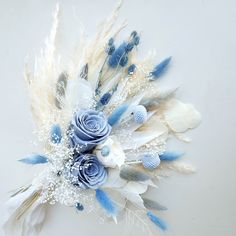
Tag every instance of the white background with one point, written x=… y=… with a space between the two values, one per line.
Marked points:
x=200 y=36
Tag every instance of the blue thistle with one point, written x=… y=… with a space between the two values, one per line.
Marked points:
x=110 y=41
x=124 y=61
x=140 y=114
x=130 y=46
x=110 y=46
x=105 y=99
x=150 y=161
x=131 y=69
x=110 y=49
x=133 y=34
x=136 y=40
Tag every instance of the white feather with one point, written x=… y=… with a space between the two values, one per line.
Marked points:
x=114 y=180
x=20 y=217
x=135 y=187
x=41 y=83
x=119 y=96
x=109 y=84
x=79 y=94
x=153 y=129
x=132 y=191
x=34 y=219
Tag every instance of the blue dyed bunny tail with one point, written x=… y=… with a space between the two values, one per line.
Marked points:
x=116 y=114
x=170 y=156
x=159 y=69
x=106 y=203
x=156 y=220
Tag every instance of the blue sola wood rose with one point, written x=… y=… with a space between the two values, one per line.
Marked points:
x=88 y=129
x=85 y=171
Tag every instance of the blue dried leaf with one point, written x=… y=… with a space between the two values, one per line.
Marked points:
x=56 y=133
x=84 y=72
x=159 y=69
x=106 y=202
x=156 y=220
x=170 y=156
x=117 y=113
x=61 y=90
x=34 y=159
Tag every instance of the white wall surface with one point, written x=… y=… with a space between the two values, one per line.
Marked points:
x=200 y=35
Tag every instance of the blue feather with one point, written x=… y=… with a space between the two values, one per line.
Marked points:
x=106 y=202
x=156 y=220
x=34 y=159
x=159 y=69
x=116 y=56
x=117 y=113
x=170 y=156
x=56 y=133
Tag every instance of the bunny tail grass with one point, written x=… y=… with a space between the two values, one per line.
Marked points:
x=170 y=156
x=156 y=220
x=106 y=203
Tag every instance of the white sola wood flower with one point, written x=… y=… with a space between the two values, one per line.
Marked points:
x=110 y=153
x=180 y=116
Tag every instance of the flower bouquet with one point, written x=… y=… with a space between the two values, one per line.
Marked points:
x=102 y=120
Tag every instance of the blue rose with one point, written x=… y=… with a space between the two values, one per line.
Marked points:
x=85 y=171
x=88 y=129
